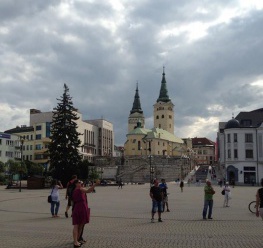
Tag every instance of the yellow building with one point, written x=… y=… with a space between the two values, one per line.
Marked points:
x=160 y=140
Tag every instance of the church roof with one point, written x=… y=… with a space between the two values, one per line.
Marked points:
x=163 y=96
x=158 y=133
x=136 y=108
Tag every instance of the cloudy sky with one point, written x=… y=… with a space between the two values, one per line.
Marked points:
x=212 y=53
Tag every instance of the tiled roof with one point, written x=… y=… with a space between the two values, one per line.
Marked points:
x=202 y=141
x=255 y=116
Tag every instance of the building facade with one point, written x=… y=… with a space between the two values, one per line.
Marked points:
x=9 y=147
x=97 y=137
x=204 y=150
x=240 y=147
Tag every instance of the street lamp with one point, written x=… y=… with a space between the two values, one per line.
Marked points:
x=20 y=173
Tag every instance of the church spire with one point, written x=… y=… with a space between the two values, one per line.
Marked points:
x=136 y=103
x=163 y=97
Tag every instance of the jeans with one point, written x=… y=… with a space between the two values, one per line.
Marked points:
x=157 y=205
x=54 y=207
x=208 y=204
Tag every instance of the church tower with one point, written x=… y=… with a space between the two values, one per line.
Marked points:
x=163 y=109
x=136 y=114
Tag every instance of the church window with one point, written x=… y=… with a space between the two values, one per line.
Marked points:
x=170 y=117
x=162 y=116
x=134 y=140
x=157 y=117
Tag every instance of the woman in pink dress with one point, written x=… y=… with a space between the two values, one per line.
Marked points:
x=80 y=213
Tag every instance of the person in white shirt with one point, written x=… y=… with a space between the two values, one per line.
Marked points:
x=227 y=195
x=55 y=203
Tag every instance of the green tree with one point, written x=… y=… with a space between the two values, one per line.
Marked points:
x=34 y=169
x=16 y=167
x=63 y=148
x=85 y=169
x=2 y=167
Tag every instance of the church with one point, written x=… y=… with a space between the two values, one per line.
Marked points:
x=159 y=140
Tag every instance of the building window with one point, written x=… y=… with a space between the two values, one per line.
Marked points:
x=170 y=117
x=38 y=136
x=157 y=117
x=235 y=153
x=249 y=153
x=228 y=153
x=159 y=125
x=162 y=116
x=38 y=147
x=248 y=138
x=38 y=127
x=228 y=138
x=235 y=137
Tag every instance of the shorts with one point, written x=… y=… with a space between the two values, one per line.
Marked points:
x=165 y=199
x=69 y=202
x=157 y=205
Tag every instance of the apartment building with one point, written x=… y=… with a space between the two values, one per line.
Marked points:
x=204 y=150
x=9 y=147
x=240 y=147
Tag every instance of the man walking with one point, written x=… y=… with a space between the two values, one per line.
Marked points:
x=208 y=201
x=157 y=196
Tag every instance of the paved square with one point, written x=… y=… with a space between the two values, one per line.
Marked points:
x=121 y=218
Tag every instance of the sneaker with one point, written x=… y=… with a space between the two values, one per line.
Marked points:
x=160 y=220
x=210 y=218
x=168 y=210
x=152 y=220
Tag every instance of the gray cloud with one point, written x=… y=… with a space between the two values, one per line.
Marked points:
x=101 y=51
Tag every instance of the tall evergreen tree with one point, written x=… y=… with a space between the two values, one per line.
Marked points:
x=63 y=148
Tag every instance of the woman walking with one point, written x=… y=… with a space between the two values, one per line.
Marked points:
x=80 y=211
x=259 y=201
x=227 y=195
x=55 y=202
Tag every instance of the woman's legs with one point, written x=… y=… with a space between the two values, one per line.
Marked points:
x=80 y=230
x=57 y=204
x=52 y=206
x=76 y=234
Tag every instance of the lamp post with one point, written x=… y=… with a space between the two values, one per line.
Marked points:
x=20 y=172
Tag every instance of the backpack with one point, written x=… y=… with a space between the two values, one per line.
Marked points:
x=70 y=189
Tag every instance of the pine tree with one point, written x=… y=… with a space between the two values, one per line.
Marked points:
x=63 y=148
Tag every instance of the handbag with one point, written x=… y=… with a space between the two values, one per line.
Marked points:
x=49 y=198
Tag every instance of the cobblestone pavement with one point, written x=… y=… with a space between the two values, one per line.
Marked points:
x=121 y=218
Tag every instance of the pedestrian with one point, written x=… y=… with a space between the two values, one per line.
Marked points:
x=69 y=190
x=55 y=201
x=182 y=185
x=157 y=196
x=227 y=195
x=164 y=188
x=80 y=211
x=208 y=200
x=120 y=184
x=259 y=201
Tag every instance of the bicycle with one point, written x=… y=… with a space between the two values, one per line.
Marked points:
x=252 y=207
